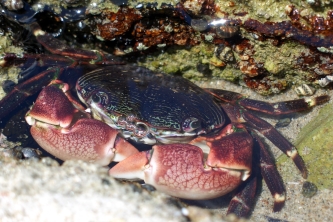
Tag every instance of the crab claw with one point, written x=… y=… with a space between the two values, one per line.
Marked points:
x=180 y=169
x=83 y=139
x=88 y=140
x=52 y=106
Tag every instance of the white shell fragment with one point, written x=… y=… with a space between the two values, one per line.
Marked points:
x=325 y=81
x=305 y=90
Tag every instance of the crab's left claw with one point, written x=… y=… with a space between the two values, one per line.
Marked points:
x=181 y=170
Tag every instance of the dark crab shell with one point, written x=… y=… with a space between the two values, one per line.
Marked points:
x=159 y=106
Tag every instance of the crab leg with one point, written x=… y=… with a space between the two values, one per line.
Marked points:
x=241 y=204
x=279 y=108
x=181 y=170
x=271 y=175
x=268 y=131
x=26 y=89
x=277 y=139
x=35 y=84
x=27 y=60
x=285 y=107
x=56 y=129
x=56 y=46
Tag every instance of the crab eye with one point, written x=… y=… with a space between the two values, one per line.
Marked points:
x=191 y=124
x=95 y=98
x=141 y=129
x=100 y=98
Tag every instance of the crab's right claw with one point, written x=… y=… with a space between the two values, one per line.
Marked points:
x=88 y=140
x=56 y=129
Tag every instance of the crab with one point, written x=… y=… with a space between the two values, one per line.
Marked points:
x=204 y=141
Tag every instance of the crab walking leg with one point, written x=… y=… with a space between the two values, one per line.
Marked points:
x=56 y=46
x=285 y=107
x=20 y=92
x=277 y=139
x=278 y=108
x=266 y=129
x=271 y=175
x=242 y=203
x=34 y=84
x=181 y=170
x=56 y=129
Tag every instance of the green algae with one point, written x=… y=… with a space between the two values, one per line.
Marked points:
x=315 y=145
x=184 y=61
x=8 y=73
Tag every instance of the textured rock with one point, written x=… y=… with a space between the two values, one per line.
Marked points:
x=42 y=191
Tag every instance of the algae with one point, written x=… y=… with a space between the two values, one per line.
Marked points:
x=315 y=145
x=8 y=73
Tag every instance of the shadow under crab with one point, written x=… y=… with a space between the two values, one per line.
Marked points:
x=155 y=108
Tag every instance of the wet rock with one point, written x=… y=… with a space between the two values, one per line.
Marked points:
x=35 y=191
